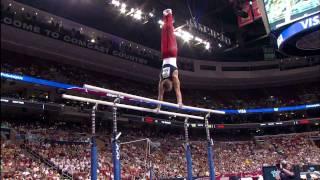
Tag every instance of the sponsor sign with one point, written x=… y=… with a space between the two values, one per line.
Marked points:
x=297 y=28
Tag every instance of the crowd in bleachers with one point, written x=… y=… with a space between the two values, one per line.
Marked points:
x=305 y=93
x=290 y=148
x=237 y=99
x=68 y=148
x=167 y=153
x=16 y=164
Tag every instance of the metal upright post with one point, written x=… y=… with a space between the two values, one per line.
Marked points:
x=94 y=150
x=188 y=150
x=210 y=152
x=115 y=145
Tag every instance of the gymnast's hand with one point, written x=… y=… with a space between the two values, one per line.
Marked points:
x=180 y=104
x=157 y=109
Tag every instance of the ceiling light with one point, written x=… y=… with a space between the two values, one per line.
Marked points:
x=130 y=12
x=186 y=36
x=145 y=22
x=207 y=45
x=137 y=15
x=198 y=39
x=122 y=11
x=115 y=3
x=123 y=8
x=178 y=33
x=139 y=12
x=160 y=22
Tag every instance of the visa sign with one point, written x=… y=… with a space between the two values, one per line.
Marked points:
x=297 y=28
x=310 y=22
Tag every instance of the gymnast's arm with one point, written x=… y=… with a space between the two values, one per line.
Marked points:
x=160 y=94
x=177 y=89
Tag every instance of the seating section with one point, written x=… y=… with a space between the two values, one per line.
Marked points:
x=167 y=154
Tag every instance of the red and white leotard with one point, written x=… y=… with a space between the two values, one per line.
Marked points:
x=169 y=49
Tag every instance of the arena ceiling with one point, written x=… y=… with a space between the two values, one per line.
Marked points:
x=217 y=14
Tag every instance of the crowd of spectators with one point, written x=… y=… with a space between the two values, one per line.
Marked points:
x=68 y=148
x=16 y=164
x=166 y=158
x=291 y=148
x=237 y=99
x=305 y=93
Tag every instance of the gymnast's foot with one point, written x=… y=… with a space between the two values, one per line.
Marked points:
x=167 y=11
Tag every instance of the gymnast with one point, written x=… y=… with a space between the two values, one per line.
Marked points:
x=169 y=73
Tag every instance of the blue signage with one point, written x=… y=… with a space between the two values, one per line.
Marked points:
x=297 y=28
x=37 y=81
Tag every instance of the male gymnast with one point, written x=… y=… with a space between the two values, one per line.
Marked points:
x=169 y=73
